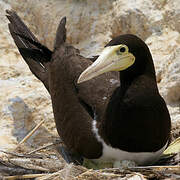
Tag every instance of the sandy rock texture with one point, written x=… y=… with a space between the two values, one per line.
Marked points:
x=90 y=25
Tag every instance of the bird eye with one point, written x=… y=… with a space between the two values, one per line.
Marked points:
x=122 y=49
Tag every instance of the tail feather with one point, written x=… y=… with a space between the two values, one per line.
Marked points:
x=34 y=54
x=17 y=26
x=60 y=33
x=42 y=53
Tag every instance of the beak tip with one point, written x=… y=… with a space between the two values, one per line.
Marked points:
x=80 y=79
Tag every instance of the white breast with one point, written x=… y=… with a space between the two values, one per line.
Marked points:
x=114 y=154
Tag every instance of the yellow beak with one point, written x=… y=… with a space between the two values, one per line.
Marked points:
x=111 y=59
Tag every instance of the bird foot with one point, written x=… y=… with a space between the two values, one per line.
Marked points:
x=68 y=156
x=124 y=164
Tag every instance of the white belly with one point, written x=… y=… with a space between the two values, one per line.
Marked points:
x=114 y=154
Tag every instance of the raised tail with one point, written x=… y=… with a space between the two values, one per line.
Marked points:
x=35 y=55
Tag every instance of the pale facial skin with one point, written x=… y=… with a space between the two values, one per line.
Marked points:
x=112 y=58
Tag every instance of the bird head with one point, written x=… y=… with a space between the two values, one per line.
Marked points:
x=123 y=53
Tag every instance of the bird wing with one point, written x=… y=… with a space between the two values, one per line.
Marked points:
x=34 y=54
x=74 y=105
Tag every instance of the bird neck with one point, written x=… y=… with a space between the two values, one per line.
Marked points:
x=125 y=82
x=137 y=70
x=129 y=83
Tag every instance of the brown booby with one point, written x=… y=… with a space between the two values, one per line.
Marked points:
x=100 y=114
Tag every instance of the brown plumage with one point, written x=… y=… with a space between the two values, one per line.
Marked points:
x=114 y=107
x=59 y=73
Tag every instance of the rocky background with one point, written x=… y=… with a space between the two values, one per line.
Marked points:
x=24 y=102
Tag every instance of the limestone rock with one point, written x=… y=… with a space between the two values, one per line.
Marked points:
x=171 y=80
x=172 y=14
x=20 y=114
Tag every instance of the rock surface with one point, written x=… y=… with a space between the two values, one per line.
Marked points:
x=90 y=25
